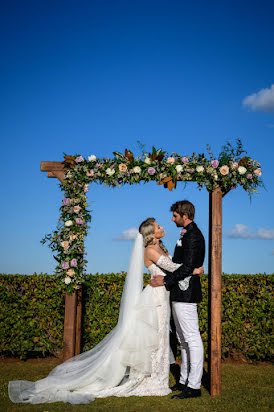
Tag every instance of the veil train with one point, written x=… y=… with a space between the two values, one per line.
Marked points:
x=117 y=364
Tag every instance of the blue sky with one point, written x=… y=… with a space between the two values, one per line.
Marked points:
x=93 y=77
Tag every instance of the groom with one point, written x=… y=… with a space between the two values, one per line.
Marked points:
x=185 y=293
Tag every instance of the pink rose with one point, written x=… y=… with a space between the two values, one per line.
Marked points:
x=90 y=173
x=73 y=263
x=185 y=159
x=72 y=236
x=224 y=170
x=191 y=171
x=215 y=163
x=183 y=232
x=79 y=159
x=86 y=189
x=122 y=167
x=249 y=176
x=170 y=160
x=65 y=244
x=70 y=272
x=258 y=172
x=65 y=265
x=79 y=221
x=66 y=201
x=151 y=171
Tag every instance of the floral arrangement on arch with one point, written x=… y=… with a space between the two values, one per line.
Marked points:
x=227 y=171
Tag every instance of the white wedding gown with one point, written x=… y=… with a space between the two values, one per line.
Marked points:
x=132 y=360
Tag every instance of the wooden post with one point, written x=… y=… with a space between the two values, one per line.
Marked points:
x=73 y=303
x=69 y=326
x=78 y=321
x=215 y=289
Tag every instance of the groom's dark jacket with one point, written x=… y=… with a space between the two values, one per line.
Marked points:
x=191 y=253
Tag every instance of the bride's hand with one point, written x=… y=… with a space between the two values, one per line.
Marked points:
x=199 y=271
x=157 y=281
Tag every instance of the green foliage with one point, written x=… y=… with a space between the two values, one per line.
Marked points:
x=229 y=152
x=32 y=313
x=31 y=316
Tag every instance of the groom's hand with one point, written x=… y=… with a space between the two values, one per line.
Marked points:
x=157 y=281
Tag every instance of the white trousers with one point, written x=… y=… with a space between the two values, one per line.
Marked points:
x=187 y=329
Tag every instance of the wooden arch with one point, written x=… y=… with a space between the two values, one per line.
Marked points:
x=73 y=305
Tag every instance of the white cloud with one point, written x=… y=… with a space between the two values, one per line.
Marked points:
x=265 y=233
x=241 y=231
x=263 y=100
x=128 y=234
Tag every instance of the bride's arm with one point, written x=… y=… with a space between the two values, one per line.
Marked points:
x=164 y=262
x=161 y=260
x=167 y=264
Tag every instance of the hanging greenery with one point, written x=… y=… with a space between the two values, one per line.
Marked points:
x=229 y=170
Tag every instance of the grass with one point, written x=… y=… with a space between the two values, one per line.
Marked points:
x=245 y=388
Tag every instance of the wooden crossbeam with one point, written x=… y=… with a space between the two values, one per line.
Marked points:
x=52 y=166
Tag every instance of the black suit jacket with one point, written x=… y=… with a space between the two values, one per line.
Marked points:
x=191 y=253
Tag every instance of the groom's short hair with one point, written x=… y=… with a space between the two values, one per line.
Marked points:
x=184 y=207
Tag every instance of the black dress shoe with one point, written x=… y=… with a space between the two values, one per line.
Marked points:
x=178 y=387
x=188 y=393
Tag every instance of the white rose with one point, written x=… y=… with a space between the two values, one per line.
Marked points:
x=241 y=170
x=110 y=171
x=179 y=168
x=162 y=175
x=67 y=280
x=200 y=169
x=234 y=165
x=137 y=169
x=68 y=223
x=147 y=160
x=92 y=158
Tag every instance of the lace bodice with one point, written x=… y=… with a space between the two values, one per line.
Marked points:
x=164 y=263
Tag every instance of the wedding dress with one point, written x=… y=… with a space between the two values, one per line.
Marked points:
x=132 y=360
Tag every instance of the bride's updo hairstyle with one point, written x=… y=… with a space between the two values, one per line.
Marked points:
x=147 y=230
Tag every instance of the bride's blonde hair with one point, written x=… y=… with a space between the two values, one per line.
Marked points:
x=147 y=230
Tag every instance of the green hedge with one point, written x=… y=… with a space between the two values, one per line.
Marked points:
x=32 y=314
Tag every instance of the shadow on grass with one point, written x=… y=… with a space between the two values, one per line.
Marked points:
x=205 y=380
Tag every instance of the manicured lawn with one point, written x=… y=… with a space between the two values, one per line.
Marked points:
x=245 y=388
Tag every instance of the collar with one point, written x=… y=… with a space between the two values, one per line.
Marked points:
x=190 y=226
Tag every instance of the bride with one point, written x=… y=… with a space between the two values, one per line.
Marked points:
x=133 y=359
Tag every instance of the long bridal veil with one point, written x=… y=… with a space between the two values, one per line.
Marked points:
x=117 y=363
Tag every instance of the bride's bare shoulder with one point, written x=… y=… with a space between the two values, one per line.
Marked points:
x=152 y=253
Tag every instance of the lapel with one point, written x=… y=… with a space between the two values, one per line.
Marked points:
x=178 y=252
